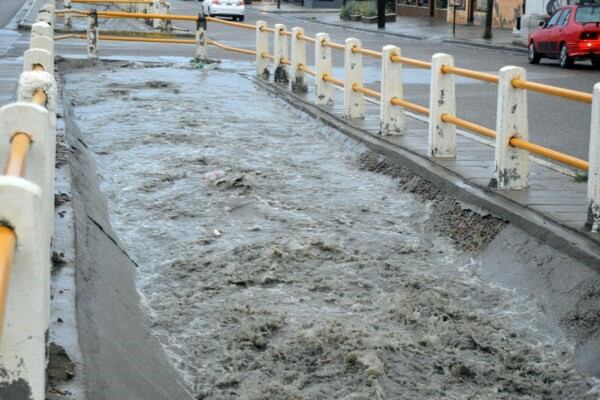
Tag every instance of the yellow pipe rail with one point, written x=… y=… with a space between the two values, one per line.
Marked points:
x=304 y=68
x=366 y=52
x=267 y=56
x=411 y=61
x=366 y=91
x=231 y=48
x=119 y=14
x=19 y=147
x=552 y=90
x=8 y=242
x=468 y=73
x=231 y=23
x=549 y=153
x=143 y=39
x=285 y=61
x=331 y=79
x=266 y=29
x=67 y=36
x=333 y=45
x=410 y=106
x=452 y=119
x=307 y=38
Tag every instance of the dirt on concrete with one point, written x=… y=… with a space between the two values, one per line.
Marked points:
x=470 y=228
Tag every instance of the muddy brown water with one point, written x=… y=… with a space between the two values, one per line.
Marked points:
x=275 y=264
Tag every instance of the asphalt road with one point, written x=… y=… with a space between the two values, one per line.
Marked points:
x=8 y=8
x=553 y=122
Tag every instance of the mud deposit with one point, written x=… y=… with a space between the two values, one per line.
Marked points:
x=277 y=263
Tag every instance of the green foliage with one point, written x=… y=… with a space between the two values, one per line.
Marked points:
x=364 y=8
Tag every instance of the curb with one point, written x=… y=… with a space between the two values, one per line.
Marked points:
x=309 y=11
x=577 y=244
x=513 y=49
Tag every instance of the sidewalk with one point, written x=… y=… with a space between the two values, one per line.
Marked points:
x=286 y=8
x=423 y=28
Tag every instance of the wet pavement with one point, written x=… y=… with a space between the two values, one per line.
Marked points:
x=275 y=264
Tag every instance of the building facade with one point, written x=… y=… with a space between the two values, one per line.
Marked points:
x=506 y=13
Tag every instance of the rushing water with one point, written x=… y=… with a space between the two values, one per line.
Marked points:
x=274 y=266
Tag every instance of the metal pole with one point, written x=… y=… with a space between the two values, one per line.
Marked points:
x=381 y=14
x=454 y=19
x=278 y=4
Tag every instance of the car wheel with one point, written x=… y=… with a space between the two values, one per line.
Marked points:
x=241 y=18
x=596 y=62
x=565 y=60
x=532 y=55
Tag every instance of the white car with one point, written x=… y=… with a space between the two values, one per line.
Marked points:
x=224 y=8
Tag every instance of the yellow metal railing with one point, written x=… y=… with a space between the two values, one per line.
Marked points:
x=446 y=69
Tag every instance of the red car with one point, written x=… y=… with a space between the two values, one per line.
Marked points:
x=572 y=33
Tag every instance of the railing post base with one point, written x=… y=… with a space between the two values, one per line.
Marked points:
x=280 y=52
x=298 y=58
x=391 y=117
x=442 y=136
x=262 y=47
x=512 y=164
x=593 y=189
x=324 y=91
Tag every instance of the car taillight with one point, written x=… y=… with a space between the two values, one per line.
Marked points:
x=240 y=3
x=588 y=35
x=217 y=2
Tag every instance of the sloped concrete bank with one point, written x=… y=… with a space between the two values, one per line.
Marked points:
x=121 y=359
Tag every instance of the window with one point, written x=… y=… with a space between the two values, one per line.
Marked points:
x=554 y=19
x=564 y=18
x=587 y=14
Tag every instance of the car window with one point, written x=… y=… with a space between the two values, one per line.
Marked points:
x=587 y=14
x=554 y=19
x=564 y=18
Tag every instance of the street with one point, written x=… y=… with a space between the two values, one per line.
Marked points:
x=8 y=9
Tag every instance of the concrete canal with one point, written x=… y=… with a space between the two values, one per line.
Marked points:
x=278 y=259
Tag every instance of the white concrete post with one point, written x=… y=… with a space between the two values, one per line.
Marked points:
x=324 y=91
x=201 y=48
x=92 y=35
x=391 y=117
x=35 y=121
x=442 y=136
x=262 y=47
x=67 y=16
x=38 y=56
x=512 y=164
x=46 y=14
x=165 y=24
x=42 y=42
x=354 y=102
x=23 y=343
x=42 y=28
x=280 y=51
x=593 y=189
x=298 y=58
x=156 y=9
